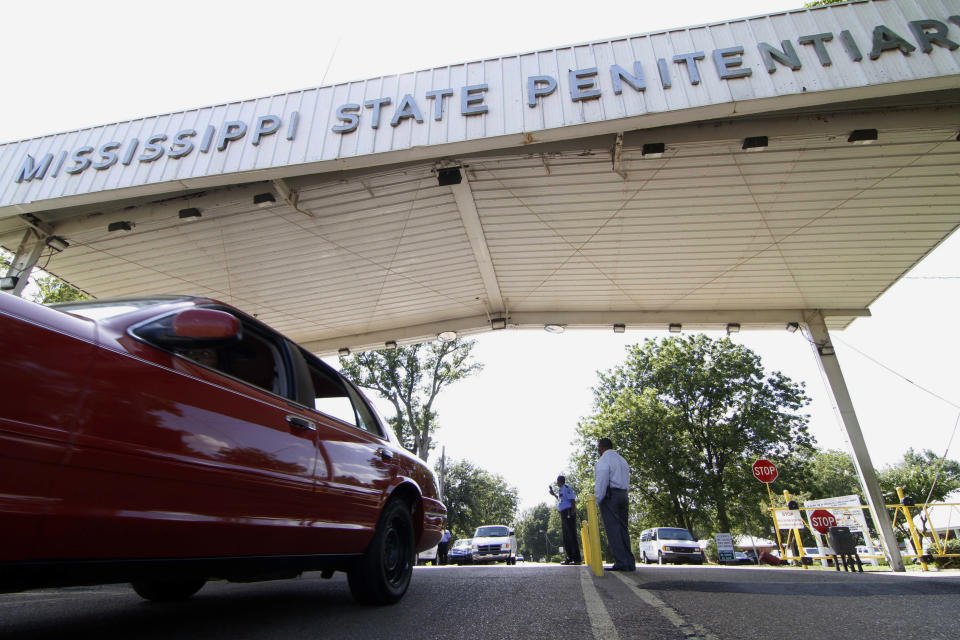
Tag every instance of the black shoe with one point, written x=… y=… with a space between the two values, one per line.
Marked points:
x=612 y=569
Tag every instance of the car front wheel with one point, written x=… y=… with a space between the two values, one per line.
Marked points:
x=383 y=574
x=660 y=558
x=168 y=590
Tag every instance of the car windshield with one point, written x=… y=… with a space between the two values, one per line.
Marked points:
x=493 y=532
x=462 y=543
x=674 y=534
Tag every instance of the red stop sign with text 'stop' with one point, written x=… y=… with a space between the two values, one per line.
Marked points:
x=821 y=520
x=765 y=471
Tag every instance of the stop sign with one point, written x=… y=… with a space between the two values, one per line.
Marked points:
x=821 y=520
x=765 y=471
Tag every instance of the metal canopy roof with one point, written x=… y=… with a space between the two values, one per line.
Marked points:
x=704 y=235
x=583 y=231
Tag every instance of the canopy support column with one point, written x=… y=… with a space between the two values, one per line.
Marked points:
x=26 y=257
x=824 y=351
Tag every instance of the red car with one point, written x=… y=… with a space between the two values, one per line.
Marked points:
x=170 y=440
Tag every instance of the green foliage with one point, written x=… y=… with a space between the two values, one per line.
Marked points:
x=710 y=551
x=532 y=523
x=410 y=378
x=952 y=546
x=50 y=288
x=915 y=474
x=475 y=497
x=53 y=289
x=822 y=3
x=691 y=415
x=831 y=473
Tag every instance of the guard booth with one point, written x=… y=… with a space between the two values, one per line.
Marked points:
x=780 y=171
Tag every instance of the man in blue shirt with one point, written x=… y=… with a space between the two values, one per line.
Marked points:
x=568 y=520
x=443 y=547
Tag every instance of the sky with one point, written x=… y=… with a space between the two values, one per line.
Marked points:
x=68 y=65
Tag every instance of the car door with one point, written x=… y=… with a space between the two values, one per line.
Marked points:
x=46 y=358
x=357 y=465
x=195 y=453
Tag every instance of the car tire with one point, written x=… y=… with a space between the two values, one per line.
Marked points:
x=383 y=574
x=168 y=590
x=660 y=559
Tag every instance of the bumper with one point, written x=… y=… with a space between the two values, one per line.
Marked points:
x=680 y=556
x=490 y=557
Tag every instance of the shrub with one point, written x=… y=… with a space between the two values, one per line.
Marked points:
x=952 y=546
x=710 y=551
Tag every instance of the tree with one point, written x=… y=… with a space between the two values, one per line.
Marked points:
x=915 y=474
x=691 y=415
x=53 y=289
x=831 y=473
x=410 y=378
x=49 y=288
x=533 y=543
x=475 y=497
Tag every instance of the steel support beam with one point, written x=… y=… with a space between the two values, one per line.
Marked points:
x=463 y=195
x=825 y=354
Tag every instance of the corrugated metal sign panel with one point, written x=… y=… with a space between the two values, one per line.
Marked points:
x=296 y=133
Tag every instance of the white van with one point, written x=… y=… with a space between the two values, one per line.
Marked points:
x=669 y=544
x=494 y=543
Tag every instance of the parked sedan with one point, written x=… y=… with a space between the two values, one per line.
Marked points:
x=166 y=441
x=461 y=552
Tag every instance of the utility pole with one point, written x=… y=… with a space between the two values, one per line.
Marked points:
x=443 y=471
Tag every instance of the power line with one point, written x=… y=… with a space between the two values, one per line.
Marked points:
x=894 y=372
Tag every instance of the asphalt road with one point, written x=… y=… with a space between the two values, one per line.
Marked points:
x=525 y=601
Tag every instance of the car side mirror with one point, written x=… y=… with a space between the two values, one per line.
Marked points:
x=513 y=532
x=192 y=328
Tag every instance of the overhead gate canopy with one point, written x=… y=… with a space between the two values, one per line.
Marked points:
x=742 y=172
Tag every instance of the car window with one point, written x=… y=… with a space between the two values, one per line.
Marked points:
x=675 y=534
x=493 y=532
x=255 y=359
x=339 y=399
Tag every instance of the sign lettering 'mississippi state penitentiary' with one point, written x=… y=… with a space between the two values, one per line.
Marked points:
x=729 y=64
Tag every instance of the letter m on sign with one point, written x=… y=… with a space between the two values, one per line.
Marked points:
x=29 y=170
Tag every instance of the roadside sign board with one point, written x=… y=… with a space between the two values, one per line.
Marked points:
x=846 y=509
x=787 y=519
x=821 y=520
x=765 y=471
x=725 y=547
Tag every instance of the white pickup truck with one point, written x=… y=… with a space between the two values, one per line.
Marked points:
x=494 y=543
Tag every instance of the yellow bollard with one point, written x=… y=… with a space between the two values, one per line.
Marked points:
x=593 y=528
x=913 y=529
x=585 y=539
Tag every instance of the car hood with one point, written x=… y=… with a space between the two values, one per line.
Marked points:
x=493 y=540
x=684 y=543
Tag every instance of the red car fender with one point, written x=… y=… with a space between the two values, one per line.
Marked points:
x=429 y=513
